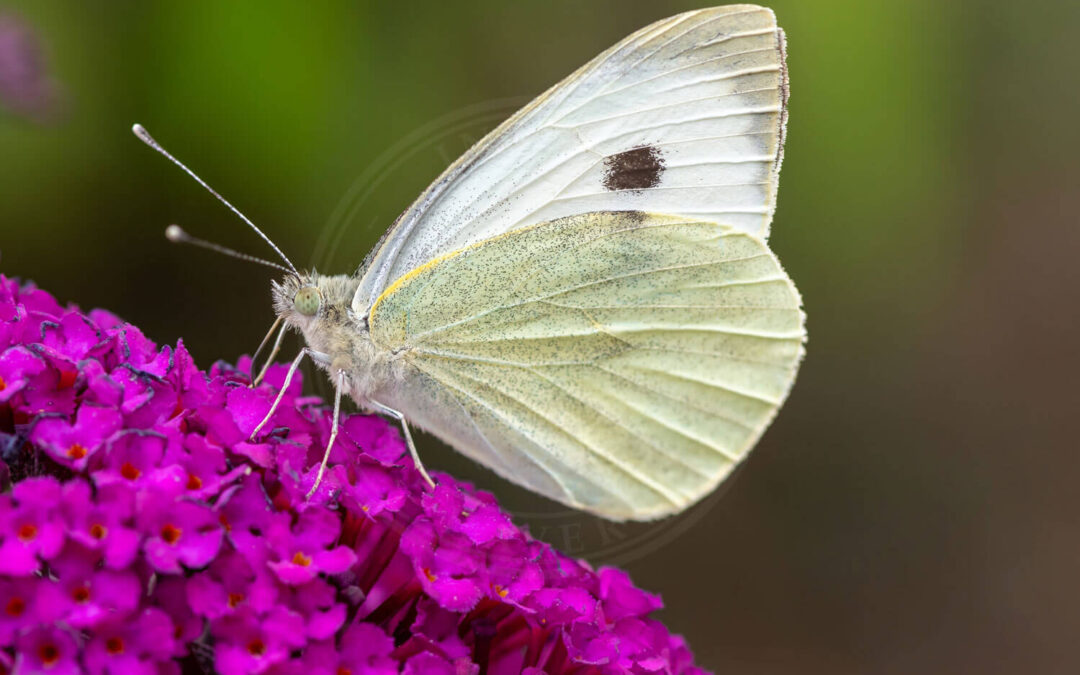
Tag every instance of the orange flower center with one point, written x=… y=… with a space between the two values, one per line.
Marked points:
x=301 y=559
x=15 y=607
x=224 y=522
x=27 y=532
x=49 y=654
x=129 y=471
x=256 y=647
x=114 y=645
x=3 y=385
x=342 y=670
x=429 y=575
x=76 y=451
x=98 y=531
x=80 y=594
x=235 y=599
x=502 y=592
x=170 y=534
x=193 y=482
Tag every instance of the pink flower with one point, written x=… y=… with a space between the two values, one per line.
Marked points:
x=73 y=445
x=30 y=529
x=47 y=649
x=178 y=532
x=132 y=646
x=306 y=549
x=143 y=531
x=362 y=648
x=88 y=595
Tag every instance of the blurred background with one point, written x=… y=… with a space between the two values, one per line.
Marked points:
x=914 y=508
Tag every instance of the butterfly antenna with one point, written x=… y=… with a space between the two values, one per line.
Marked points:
x=176 y=235
x=144 y=136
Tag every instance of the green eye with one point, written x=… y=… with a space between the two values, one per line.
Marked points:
x=307 y=301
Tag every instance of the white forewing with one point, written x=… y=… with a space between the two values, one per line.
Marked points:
x=617 y=362
x=685 y=116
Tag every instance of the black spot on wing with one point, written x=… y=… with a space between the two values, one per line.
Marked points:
x=635 y=169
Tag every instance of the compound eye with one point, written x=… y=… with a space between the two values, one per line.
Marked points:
x=307 y=301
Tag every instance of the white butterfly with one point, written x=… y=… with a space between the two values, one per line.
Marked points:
x=585 y=302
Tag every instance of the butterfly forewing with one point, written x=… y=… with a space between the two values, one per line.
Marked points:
x=685 y=117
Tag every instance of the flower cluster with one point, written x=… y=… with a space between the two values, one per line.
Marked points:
x=142 y=532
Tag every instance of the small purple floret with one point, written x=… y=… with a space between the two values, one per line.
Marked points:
x=140 y=531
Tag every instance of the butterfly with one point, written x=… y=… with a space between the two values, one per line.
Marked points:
x=585 y=302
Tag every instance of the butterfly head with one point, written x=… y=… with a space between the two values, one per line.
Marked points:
x=298 y=299
x=309 y=301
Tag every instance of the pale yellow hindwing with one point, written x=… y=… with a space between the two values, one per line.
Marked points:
x=619 y=362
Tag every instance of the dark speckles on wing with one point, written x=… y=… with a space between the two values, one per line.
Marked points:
x=635 y=169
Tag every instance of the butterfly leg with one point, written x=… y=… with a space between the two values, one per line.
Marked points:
x=273 y=352
x=390 y=412
x=281 y=394
x=333 y=433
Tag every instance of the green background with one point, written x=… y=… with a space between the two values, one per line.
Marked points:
x=915 y=506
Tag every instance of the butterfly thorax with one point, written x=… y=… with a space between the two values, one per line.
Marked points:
x=338 y=335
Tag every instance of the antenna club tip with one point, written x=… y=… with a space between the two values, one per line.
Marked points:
x=175 y=233
x=142 y=134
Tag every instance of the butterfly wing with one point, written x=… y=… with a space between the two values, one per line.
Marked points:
x=685 y=116
x=618 y=362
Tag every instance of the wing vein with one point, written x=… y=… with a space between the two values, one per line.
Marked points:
x=660 y=188
x=677 y=104
x=714 y=385
x=695 y=64
x=672 y=38
x=614 y=463
x=495 y=414
x=553 y=294
x=633 y=433
x=687 y=403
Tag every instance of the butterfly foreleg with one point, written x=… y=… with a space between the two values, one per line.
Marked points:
x=273 y=352
x=340 y=386
x=281 y=394
x=390 y=412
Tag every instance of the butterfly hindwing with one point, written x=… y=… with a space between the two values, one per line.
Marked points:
x=616 y=361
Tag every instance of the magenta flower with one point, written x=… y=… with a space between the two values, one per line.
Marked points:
x=47 y=649
x=72 y=445
x=179 y=534
x=362 y=648
x=27 y=602
x=30 y=528
x=140 y=532
x=88 y=595
x=305 y=549
x=101 y=522
x=20 y=369
x=247 y=642
x=231 y=583
x=135 y=645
